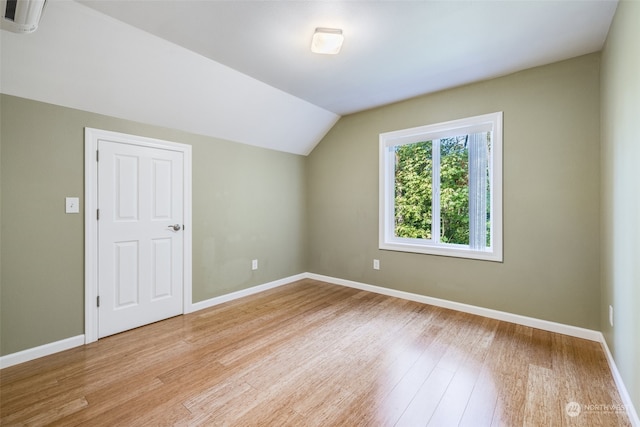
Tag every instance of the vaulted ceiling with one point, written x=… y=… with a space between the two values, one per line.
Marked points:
x=243 y=71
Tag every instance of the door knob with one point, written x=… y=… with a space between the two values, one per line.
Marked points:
x=175 y=227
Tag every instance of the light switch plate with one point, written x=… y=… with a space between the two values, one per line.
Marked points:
x=72 y=205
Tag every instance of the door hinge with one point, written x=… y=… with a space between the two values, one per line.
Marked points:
x=97 y=156
x=97 y=214
x=98 y=301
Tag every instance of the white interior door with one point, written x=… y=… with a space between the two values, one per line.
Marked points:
x=140 y=235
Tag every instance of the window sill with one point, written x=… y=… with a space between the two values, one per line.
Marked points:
x=460 y=252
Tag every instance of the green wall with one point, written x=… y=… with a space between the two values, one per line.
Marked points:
x=620 y=193
x=551 y=197
x=248 y=203
x=320 y=213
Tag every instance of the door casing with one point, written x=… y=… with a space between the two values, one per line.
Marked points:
x=91 y=138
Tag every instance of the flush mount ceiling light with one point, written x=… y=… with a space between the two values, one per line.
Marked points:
x=327 y=41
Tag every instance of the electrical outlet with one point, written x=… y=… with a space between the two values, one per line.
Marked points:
x=376 y=264
x=611 y=315
x=72 y=205
x=254 y=264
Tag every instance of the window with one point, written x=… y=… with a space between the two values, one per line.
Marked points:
x=441 y=189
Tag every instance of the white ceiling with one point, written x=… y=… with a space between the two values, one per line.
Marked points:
x=393 y=50
x=83 y=59
x=242 y=70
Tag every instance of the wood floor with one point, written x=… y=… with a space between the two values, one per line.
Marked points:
x=315 y=354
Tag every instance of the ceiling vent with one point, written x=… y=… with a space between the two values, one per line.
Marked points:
x=21 y=16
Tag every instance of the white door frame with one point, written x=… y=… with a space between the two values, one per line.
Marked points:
x=91 y=138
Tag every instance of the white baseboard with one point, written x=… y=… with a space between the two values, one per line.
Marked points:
x=40 y=351
x=201 y=305
x=545 y=325
x=622 y=389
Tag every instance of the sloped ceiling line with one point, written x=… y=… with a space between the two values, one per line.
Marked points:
x=243 y=71
x=80 y=58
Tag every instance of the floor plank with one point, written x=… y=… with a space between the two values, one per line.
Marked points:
x=315 y=354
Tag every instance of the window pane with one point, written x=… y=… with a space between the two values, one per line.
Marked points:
x=479 y=191
x=487 y=178
x=413 y=190
x=454 y=190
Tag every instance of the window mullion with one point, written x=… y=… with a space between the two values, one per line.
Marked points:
x=389 y=192
x=435 y=182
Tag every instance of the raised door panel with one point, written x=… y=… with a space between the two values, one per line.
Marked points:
x=126 y=283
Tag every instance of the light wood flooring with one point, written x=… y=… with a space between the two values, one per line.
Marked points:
x=315 y=354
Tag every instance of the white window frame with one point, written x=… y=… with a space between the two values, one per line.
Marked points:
x=388 y=140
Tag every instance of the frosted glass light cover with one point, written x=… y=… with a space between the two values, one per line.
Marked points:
x=327 y=41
